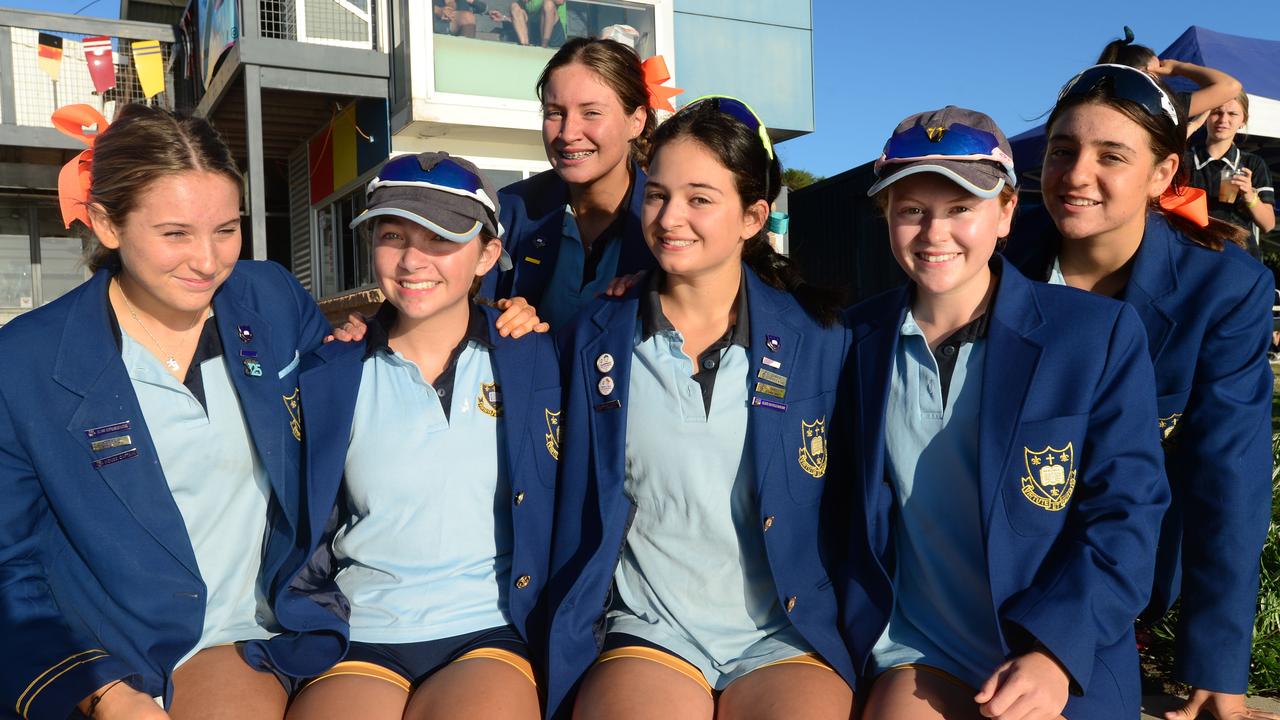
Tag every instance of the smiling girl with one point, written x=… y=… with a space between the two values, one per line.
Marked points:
x=572 y=229
x=434 y=444
x=1008 y=486
x=1125 y=227
x=688 y=574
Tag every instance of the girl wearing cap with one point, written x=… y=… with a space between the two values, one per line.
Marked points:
x=1124 y=226
x=572 y=229
x=1008 y=487
x=433 y=443
x=149 y=449
x=688 y=575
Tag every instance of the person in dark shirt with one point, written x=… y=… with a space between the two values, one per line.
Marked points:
x=1238 y=183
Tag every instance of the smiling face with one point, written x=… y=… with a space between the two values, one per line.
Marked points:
x=694 y=221
x=1100 y=174
x=942 y=235
x=585 y=129
x=1225 y=121
x=421 y=273
x=179 y=244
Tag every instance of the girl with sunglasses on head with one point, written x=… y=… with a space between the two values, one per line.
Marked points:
x=688 y=576
x=572 y=229
x=1007 y=485
x=149 y=449
x=1125 y=226
x=433 y=443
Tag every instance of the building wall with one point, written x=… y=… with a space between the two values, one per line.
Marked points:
x=758 y=50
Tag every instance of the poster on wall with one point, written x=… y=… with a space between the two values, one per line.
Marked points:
x=219 y=25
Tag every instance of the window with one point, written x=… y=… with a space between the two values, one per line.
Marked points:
x=346 y=255
x=17 y=289
x=547 y=23
x=39 y=259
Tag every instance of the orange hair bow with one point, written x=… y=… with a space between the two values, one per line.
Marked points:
x=1188 y=202
x=74 y=178
x=656 y=73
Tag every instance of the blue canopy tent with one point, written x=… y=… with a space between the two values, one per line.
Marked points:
x=1252 y=61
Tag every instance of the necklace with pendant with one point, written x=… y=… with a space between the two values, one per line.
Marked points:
x=170 y=361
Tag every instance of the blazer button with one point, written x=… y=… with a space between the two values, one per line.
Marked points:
x=791 y=603
x=768 y=523
x=523 y=582
x=519 y=498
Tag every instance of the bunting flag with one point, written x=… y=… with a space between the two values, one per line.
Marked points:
x=102 y=64
x=150 y=64
x=354 y=142
x=50 y=55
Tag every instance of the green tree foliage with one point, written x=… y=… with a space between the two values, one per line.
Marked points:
x=795 y=178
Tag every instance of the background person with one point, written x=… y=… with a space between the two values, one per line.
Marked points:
x=544 y=19
x=1237 y=183
x=1115 y=143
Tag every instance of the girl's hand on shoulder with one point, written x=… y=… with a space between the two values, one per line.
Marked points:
x=1029 y=687
x=621 y=284
x=119 y=701
x=352 y=330
x=1222 y=706
x=518 y=318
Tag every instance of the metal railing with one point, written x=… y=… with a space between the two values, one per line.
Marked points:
x=339 y=23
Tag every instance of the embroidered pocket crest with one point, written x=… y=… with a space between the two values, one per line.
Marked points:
x=1050 y=478
x=553 y=433
x=490 y=399
x=813 y=447
x=295 y=414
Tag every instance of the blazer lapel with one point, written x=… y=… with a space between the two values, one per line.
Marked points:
x=513 y=371
x=876 y=352
x=1155 y=277
x=768 y=309
x=1011 y=360
x=88 y=363
x=616 y=324
x=328 y=391
x=635 y=254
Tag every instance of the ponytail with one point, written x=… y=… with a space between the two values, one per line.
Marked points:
x=779 y=272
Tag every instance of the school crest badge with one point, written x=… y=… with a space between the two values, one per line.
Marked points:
x=490 y=399
x=1050 y=478
x=1168 y=425
x=813 y=447
x=295 y=413
x=553 y=433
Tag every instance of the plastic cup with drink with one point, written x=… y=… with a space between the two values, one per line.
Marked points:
x=1228 y=190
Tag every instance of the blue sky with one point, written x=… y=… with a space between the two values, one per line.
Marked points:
x=877 y=61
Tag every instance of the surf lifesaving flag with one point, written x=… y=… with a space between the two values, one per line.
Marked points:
x=102 y=64
x=50 y=55
x=150 y=64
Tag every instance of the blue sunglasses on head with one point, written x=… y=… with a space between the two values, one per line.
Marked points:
x=957 y=142
x=739 y=110
x=1125 y=83
x=446 y=176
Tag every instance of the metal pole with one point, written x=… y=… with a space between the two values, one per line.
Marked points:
x=257 y=176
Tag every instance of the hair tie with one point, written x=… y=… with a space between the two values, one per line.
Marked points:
x=1128 y=35
x=1188 y=203
x=75 y=176
x=656 y=73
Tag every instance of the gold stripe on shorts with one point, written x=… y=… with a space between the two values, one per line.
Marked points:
x=805 y=659
x=665 y=659
x=502 y=656
x=358 y=668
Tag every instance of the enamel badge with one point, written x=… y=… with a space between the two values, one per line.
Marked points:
x=553 y=433
x=490 y=399
x=1050 y=478
x=813 y=448
x=295 y=414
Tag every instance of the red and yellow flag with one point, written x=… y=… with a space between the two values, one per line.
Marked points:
x=50 y=55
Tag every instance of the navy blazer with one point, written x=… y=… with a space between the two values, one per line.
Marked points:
x=1064 y=370
x=532 y=218
x=1208 y=323
x=593 y=514
x=98 y=579
x=528 y=374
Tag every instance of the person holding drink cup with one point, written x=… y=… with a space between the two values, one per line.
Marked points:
x=1237 y=182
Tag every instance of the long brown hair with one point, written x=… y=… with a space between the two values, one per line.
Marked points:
x=1164 y=138
x=757 y=176
x=143 y=146
x=620 y=69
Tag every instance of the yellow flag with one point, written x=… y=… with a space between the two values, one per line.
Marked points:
x=150 y=64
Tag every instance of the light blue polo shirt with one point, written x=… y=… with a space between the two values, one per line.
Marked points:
x=943 y=614
x=425 y=553
x=217 y=481
x=1055 y=274
x=694 y=577
x=566 y=292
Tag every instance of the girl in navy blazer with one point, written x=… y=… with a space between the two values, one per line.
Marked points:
x=433 y=444
x=149 y=445
x=1008 y=485
x=697 y=406
x=572 y=229
x=1123 y=225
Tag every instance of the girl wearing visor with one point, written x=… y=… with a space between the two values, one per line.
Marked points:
x=573 y=228
x=1125 y=226
x=149 y=449
x=688 y=572
x=1008 y=487
x=433 y=445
